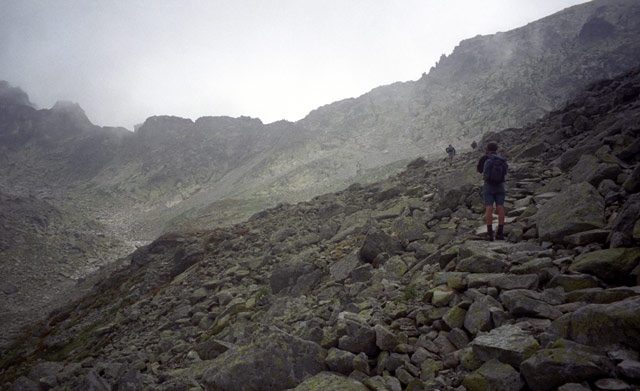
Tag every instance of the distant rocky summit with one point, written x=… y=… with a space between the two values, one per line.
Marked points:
x=389 y=285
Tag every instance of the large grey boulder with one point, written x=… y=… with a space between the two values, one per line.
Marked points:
x=578 y=208
x=272 y=362
x=608 y=324
x=632 y=184
x=330 y=381
x=522 y=302
x=340 y=361
x=286 y=274
x=494 y=376
x=377 y=242
x=481 y=264
x=409 y=229
x=355 y=335
x=478 y=317
x=25 y=384
x=590 y=169
x=548 y=369
x=343 y=268
x=623 y=225
x=385 y=339
x=508 y=344
x=612 y=265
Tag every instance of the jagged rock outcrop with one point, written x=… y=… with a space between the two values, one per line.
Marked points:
x=294 y=298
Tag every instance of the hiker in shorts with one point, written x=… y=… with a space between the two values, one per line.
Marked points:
x=451 y=151
x=493 y=168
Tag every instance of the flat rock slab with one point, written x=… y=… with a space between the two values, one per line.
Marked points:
x=604 y=325
x=612 y=265
x=494 y=375
x=330 y=381
x=508 y=344
x=548 y=369
x=578 y=208
x=528 y=303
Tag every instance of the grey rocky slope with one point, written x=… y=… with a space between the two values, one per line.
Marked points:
x=387 y=286
x=222 y=170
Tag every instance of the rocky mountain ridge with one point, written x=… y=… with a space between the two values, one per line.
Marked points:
x=387 y=286
x=172 y=168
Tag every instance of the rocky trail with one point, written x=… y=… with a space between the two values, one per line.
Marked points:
x=386 y=286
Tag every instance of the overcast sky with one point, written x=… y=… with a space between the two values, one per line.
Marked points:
x=126 y=60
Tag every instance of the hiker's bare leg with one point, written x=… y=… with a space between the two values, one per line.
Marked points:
x=501 y=214
x=489 y=214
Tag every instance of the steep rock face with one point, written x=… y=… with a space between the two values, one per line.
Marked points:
x=488 y=83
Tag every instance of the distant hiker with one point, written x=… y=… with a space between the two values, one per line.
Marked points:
x=493 y=168
x=451 y=151
x=474 y=144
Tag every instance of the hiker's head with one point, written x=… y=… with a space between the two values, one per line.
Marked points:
x=492 y=146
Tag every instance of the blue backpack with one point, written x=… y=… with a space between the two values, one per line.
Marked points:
x=495 y=169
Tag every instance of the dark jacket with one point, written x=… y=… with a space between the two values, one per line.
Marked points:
x=481 y=163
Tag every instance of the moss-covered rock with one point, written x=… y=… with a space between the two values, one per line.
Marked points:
x=274 y=361
x=570 y=282
x=454 y=318
x=494 y=376
x=612 y=265
x=509 y=344
x=330 y=381
x=608 y=324
x=578 y=208
x=548 y=369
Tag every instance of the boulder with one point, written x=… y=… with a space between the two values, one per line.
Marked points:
x=286 y=274
x=589 y=169
x=611 y=265
x=377 y=242
x=25 y=384
x=508 y=344
x=385 y=339
x=622 y=228
x=494 y=376
x=548 y=369
x=588 y=237
x=409 y=229
x=340 y=361
x=356 y=336
x=607 y=324
x=602 y=296
x=274 y=361
x=573 y=282
x=632 y=184
x=344 y=267
x=578 y=208
x=508 y=282
x=211 y=349
x=521 y=302
x=629 y=369
x=478 y=317
x=330 y=381
x=454 y=318
x=481 y=264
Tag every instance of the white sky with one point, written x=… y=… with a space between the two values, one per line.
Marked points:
x=126 y=60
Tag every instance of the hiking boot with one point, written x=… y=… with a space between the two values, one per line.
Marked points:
x=499 y=236
x=489 y=236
